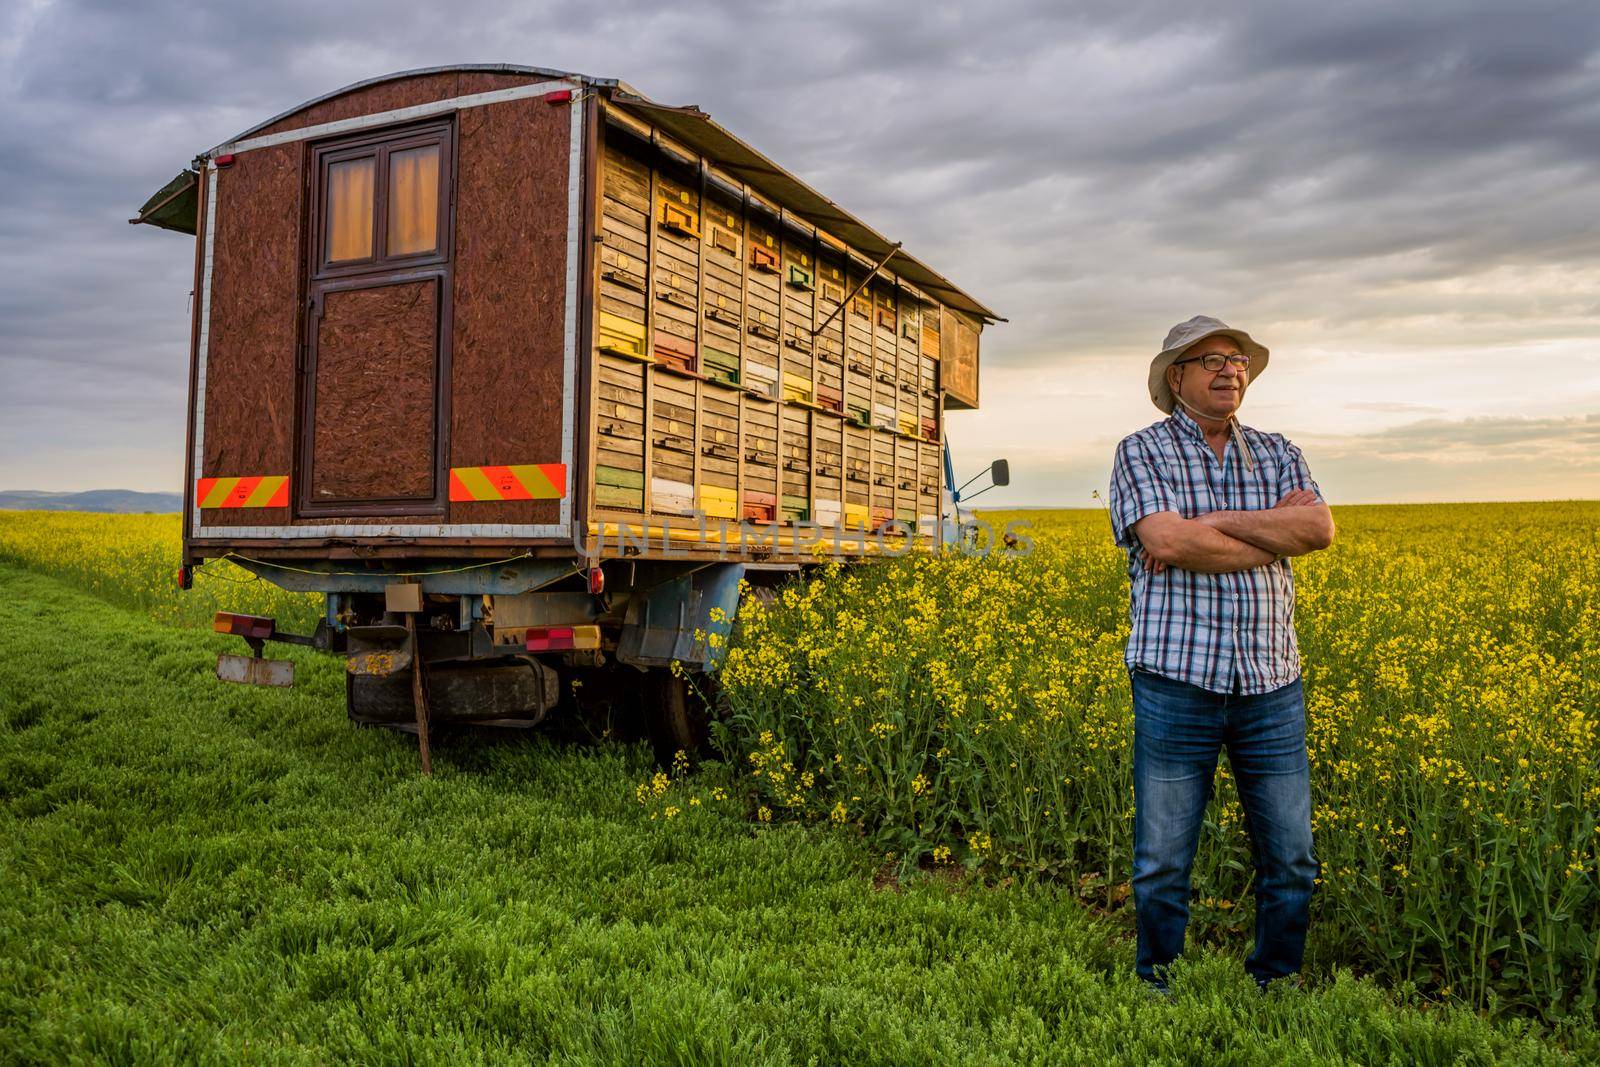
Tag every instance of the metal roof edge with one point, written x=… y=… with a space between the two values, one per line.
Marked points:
x=769 y=181
x=492 y=68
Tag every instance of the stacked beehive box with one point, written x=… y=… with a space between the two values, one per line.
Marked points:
x=736 y=375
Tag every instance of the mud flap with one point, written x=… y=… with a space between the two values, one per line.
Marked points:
x=661 y=622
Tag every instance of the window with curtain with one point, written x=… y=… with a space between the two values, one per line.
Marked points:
x=413 y=200
x=350 y=210
x=382 y=200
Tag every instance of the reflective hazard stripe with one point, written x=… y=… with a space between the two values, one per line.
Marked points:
x=529 y=481
x=262 y=491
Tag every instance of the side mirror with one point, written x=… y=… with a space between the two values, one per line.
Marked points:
x=999 y=473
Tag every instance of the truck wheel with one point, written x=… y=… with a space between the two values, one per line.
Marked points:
x=766 y=595
x=678 y=718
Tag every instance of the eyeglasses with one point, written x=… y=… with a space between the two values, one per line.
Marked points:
x=1213 y=361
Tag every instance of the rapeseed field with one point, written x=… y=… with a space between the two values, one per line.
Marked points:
x=132 y=560
x=976 y=711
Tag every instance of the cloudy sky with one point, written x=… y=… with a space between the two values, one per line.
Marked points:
x=1400 y=200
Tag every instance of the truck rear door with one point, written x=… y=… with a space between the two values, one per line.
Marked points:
x=377 y=360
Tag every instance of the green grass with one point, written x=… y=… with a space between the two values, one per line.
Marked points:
x=191 y=871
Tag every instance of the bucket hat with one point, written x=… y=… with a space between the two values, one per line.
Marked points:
x=1191 y=332
x=1186 y=335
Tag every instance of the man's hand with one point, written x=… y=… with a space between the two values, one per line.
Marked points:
x=1298 y=523
x=1294 y=498
x=1167 y=539
x=1298 y=498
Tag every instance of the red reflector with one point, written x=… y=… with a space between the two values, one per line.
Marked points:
x=223 y=161
x=549 y=638
x=227 y=622
x=597 y=581
x=560 y=96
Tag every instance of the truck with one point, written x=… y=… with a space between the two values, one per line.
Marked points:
x=533 y=378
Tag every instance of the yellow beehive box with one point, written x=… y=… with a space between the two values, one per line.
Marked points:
x=796 y=387
x=621 y=337
x=719 y=502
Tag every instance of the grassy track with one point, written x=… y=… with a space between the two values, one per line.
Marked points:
x=198 y=872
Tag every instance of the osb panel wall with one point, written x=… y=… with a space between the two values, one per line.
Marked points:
x=377 y=352
x=250 y=359
x=406 y=92
x=508 y=297
x=510 y=292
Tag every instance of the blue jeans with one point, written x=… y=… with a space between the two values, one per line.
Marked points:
x=1178 y=731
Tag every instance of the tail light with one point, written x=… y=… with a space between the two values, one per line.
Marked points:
x=255 y=626
x=562 y=638
x=597 y=581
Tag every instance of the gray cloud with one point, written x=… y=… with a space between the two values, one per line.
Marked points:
x=1474 y=459
x=1394 y=407
x=1571 y=440
x=1093 y=171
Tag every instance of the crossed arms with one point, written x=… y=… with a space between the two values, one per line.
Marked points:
x=1221 y=541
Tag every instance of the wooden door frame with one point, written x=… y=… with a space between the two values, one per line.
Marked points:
x=320 y=279
x=436 y=505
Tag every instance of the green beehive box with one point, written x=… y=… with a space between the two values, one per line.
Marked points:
x=721 y=365
x=615 y=487
x=618 y=478
x=611 y=496
x=796 y=508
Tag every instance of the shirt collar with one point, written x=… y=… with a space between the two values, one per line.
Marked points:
x=1187 y=424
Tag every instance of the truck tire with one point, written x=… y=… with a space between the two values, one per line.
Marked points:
x=676 y=716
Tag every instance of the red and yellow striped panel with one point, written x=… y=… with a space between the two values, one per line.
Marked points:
x=262 y=491
x=528 y=481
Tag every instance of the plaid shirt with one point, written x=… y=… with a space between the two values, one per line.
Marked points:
x=1210 y=630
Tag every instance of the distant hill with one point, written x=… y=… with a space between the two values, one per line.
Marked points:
x=122 y=501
